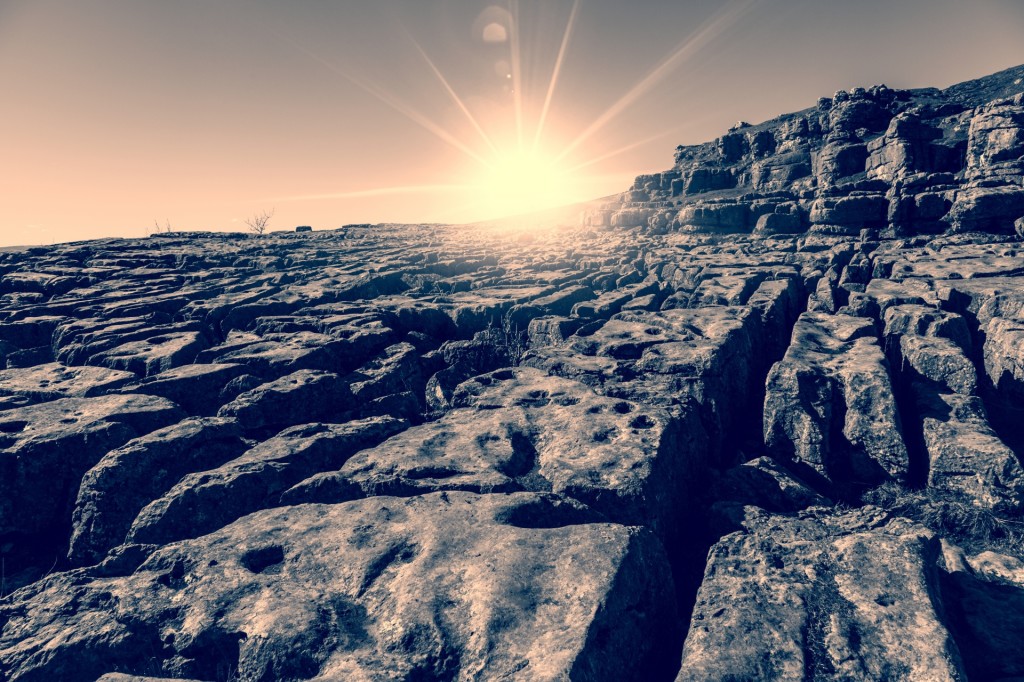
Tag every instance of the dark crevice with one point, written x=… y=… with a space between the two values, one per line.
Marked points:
x=912 y=421
x=1003 y=402
x=700 y=529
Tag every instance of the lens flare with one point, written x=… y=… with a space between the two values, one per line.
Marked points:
x=512 y=175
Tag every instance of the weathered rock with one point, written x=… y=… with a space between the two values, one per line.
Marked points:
x=113 y=492
x=48 y=447
x=626 y=366
x=965 y=454
x=996 y=135
x=778 y=223
x=764 y=483
x=121 y=677
x=876 y=158
x=830 y=406
x=520 y=584
x=302 y=396
x=523 y=430
x=204 y=500
x=984 y=598
x=52 y=381
x=154 y=354
x=807 y=598
x=855 y=212
x=992 y=209
x=716 y=217
x=197 y=388
x=274 y=355
x=551 y=331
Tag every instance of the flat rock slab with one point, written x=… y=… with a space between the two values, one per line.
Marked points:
x=524 y=430
x=197 y=388
x=153 y=354
x=52 y=381
x=113 y=492
x=212 y=494
x=520 y=585
x=274 y=355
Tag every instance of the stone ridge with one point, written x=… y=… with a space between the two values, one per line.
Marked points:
x=592 y=453
x=897 y=162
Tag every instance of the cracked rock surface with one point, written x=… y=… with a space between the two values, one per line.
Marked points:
x=761 y=419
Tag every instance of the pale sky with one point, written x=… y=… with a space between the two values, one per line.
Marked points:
x=201 y=113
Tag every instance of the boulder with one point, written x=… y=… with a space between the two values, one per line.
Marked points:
x=991 y=209
x=838 y=160
x=716 y=217
x=778 y=223
x=857 y=212
x=996 y=135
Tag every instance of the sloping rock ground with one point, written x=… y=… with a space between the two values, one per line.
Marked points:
x=626 y=452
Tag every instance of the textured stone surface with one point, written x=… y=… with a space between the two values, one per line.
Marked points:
x=519 y=584
x=759 y=417
x=113 y=492
x=830 y=405
x=807 y=598
x=897 y=161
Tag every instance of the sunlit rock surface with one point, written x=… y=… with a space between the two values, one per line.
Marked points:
x=758 y=419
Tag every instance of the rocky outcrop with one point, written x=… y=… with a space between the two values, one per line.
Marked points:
x=900 y=162
x=830 y=406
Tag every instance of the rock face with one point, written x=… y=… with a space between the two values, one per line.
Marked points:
x=758 y=420
x=901 y=162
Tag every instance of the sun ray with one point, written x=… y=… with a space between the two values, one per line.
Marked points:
x=378 y=192
x=622 y=150
x=451 y=93
x=395 y=103
x=708 y=31
x=689 y=124
x=566 y=36
x=517 y=68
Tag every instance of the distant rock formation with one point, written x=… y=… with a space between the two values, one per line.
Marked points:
x=896 y=162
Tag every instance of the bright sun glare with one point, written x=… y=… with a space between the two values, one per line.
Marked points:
x=509 y=180
x=523 y=181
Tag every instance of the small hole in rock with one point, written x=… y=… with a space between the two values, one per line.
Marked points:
x=13 y=427
x=623 y=408
x=642 y=422
x=263 y=559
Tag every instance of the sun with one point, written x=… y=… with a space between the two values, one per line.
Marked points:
x=523 y=181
